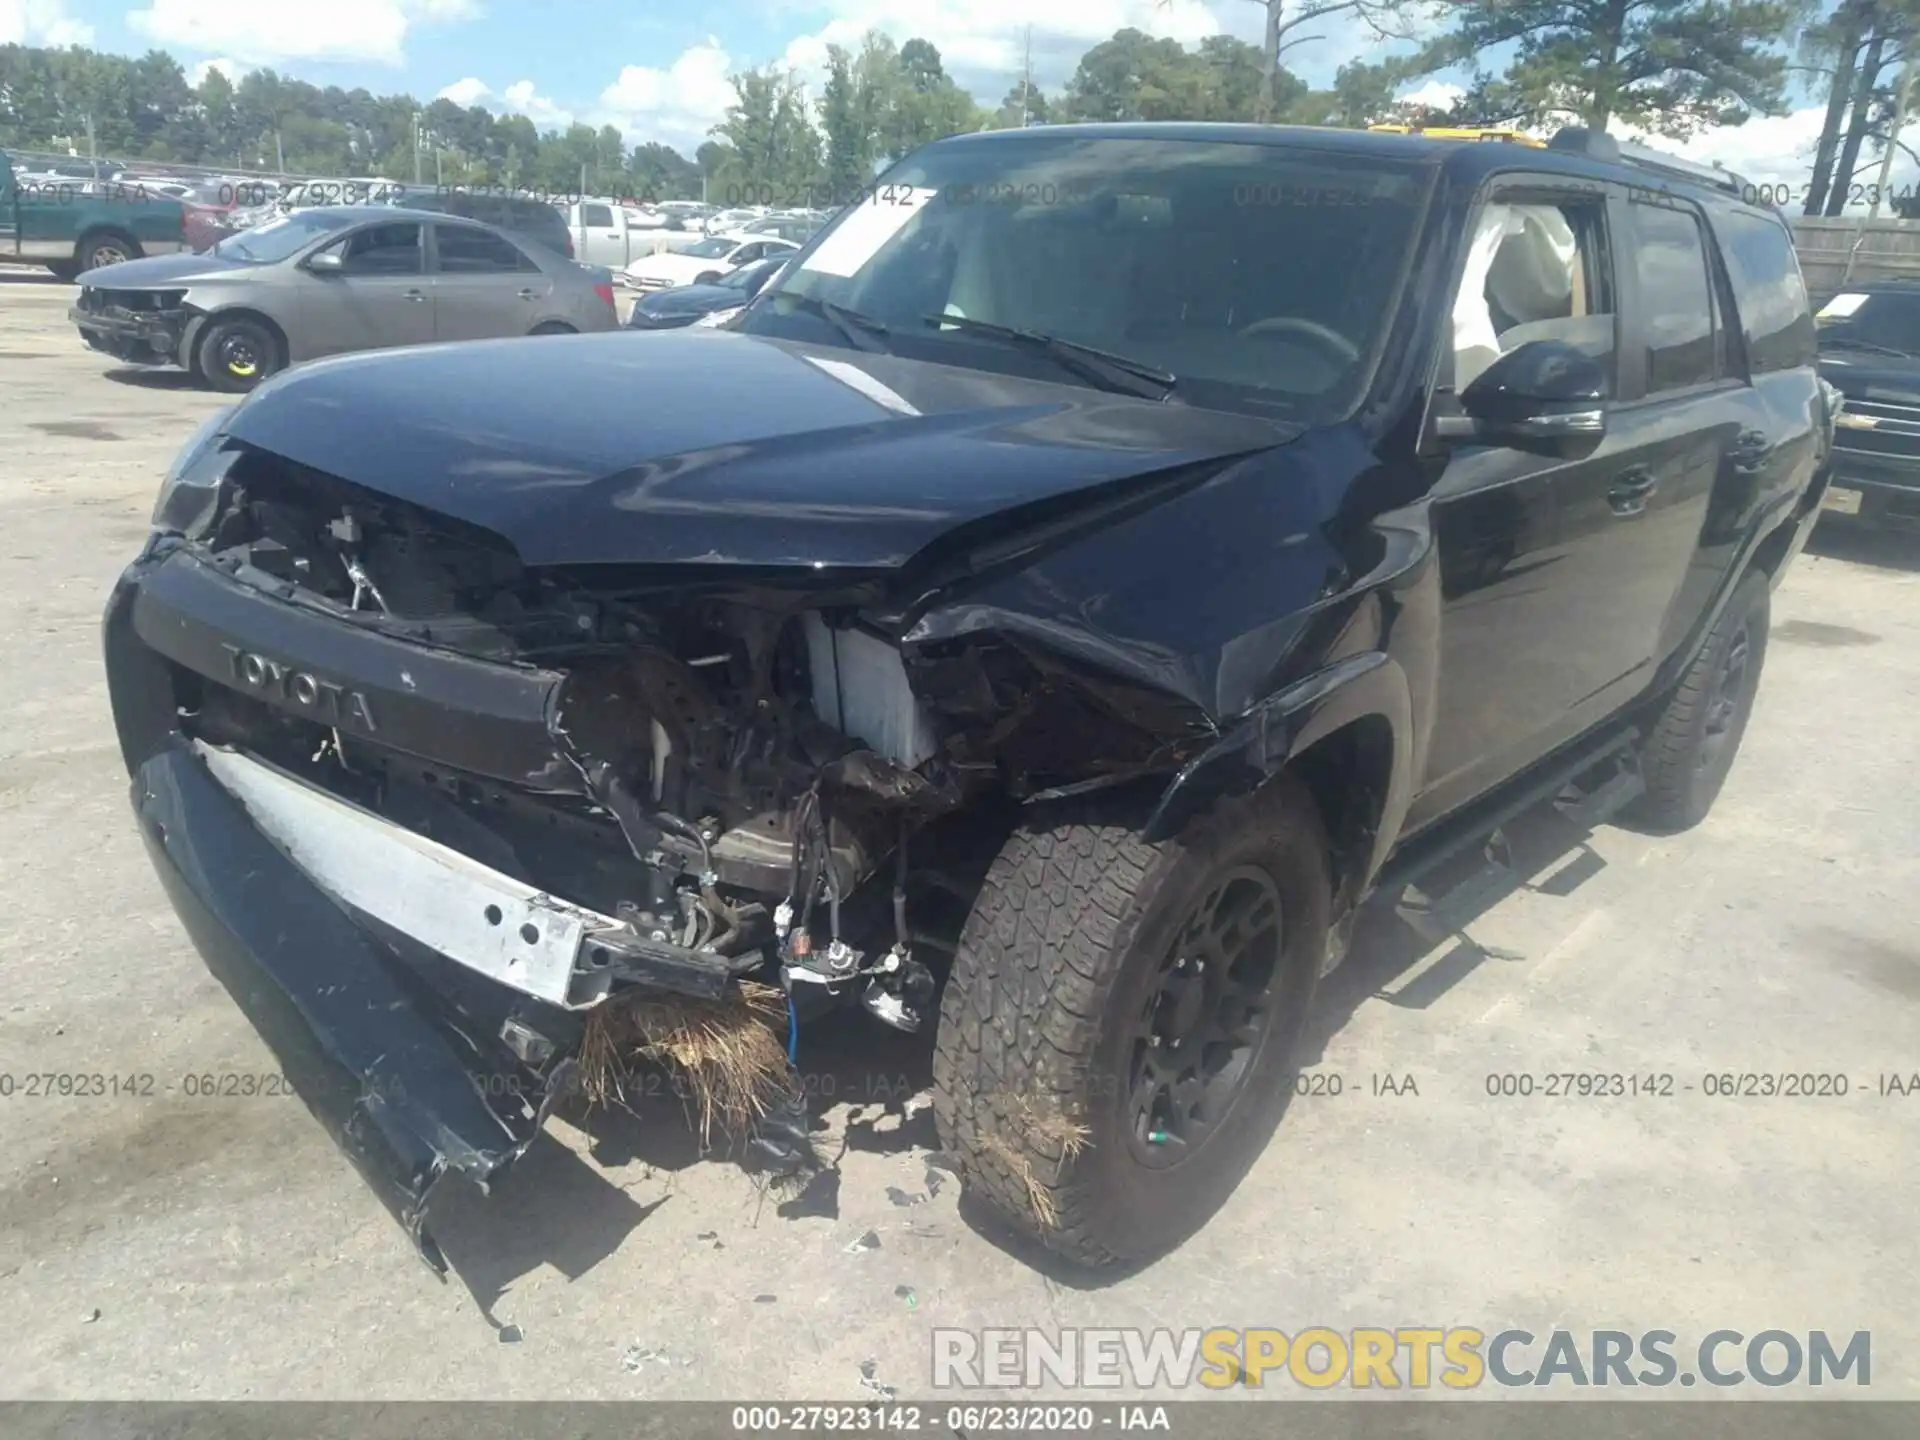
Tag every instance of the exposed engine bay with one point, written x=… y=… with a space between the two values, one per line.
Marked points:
x=741 y=777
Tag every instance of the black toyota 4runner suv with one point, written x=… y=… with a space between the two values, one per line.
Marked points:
x=1105 y=557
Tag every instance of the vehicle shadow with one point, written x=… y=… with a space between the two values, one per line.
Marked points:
x=1883 y=549
x=558 y=1208
x=143 y=378
x=551 y=1209
x=31 y=277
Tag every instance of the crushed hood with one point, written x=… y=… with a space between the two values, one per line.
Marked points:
x=707 y=447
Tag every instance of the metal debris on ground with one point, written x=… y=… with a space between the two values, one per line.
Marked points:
x=868 y=1241
x=868 y=1369
x=511 y=1335
x=908 y=1294
x=902 y=1199
x=765 y=1299
x=637 y=1358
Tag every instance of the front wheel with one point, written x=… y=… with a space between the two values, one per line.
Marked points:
x=1690 y=749
x=707 y=277
x=1118 y=1031
x=553 y=327
x=236 y=355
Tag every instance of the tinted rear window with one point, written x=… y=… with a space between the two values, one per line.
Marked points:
x=1769 y=291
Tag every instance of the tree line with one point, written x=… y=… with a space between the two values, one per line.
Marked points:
x=1670 y=67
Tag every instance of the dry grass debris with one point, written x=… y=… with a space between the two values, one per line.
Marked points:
x=728 y=1061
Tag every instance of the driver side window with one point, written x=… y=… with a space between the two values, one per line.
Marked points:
x=381 y=250
x=1535 y=270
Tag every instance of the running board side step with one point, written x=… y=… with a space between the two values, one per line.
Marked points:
x=1612 y=780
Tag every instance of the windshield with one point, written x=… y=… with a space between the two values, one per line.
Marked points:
x=279 y=239
x=711 y=249
x=1259 y=276
x=1883 y=320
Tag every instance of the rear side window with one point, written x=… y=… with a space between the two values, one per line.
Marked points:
x=1768 y=291
x=601 y=215
x=466 y=251
x=1676 y=298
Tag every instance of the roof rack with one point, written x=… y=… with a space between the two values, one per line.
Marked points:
x=1461 y=132
x=1598 y=145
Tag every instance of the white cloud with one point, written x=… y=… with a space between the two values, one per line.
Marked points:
x=1776 y=152
x=1437 y=94
x=270 y=31
x=982 y=43
x=41 y=22
x=232 y=69
x=466 y=93
x=676 y=106
x=522 y=97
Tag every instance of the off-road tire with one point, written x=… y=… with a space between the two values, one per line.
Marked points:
x=108 y=247
x=222 y=370
x=553 y=327
x=1062 y=950
x=1684 y=761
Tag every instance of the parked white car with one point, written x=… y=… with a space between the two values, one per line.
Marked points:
x=704 y=261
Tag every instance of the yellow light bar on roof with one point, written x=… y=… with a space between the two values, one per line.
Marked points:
x=1445 y=132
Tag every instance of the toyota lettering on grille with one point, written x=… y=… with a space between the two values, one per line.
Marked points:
x=325 y=700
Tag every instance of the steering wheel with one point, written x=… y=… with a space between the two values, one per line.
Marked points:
x=1332 y=342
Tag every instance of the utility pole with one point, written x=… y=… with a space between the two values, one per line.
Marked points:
x=279 y=152
x=1026 y=81
x=1893 y=138
x=419 y=139
x=1886 y=168
x=93 y=154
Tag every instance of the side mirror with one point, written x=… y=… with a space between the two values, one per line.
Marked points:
x=326 y=262
x=1547 y=398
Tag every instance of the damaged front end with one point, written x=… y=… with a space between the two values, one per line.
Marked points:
x=142 y=327
x=446 y=824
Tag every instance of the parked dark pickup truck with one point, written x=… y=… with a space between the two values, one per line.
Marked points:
x=1870 y=351
x=75 y=225
x=1096 y=565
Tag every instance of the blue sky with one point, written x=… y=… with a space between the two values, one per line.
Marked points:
x=659 y=71
x=655 y=68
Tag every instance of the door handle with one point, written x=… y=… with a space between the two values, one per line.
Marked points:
x=1750 y=453
x=416 y=295
x=526 y=294
x=1631 y=490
